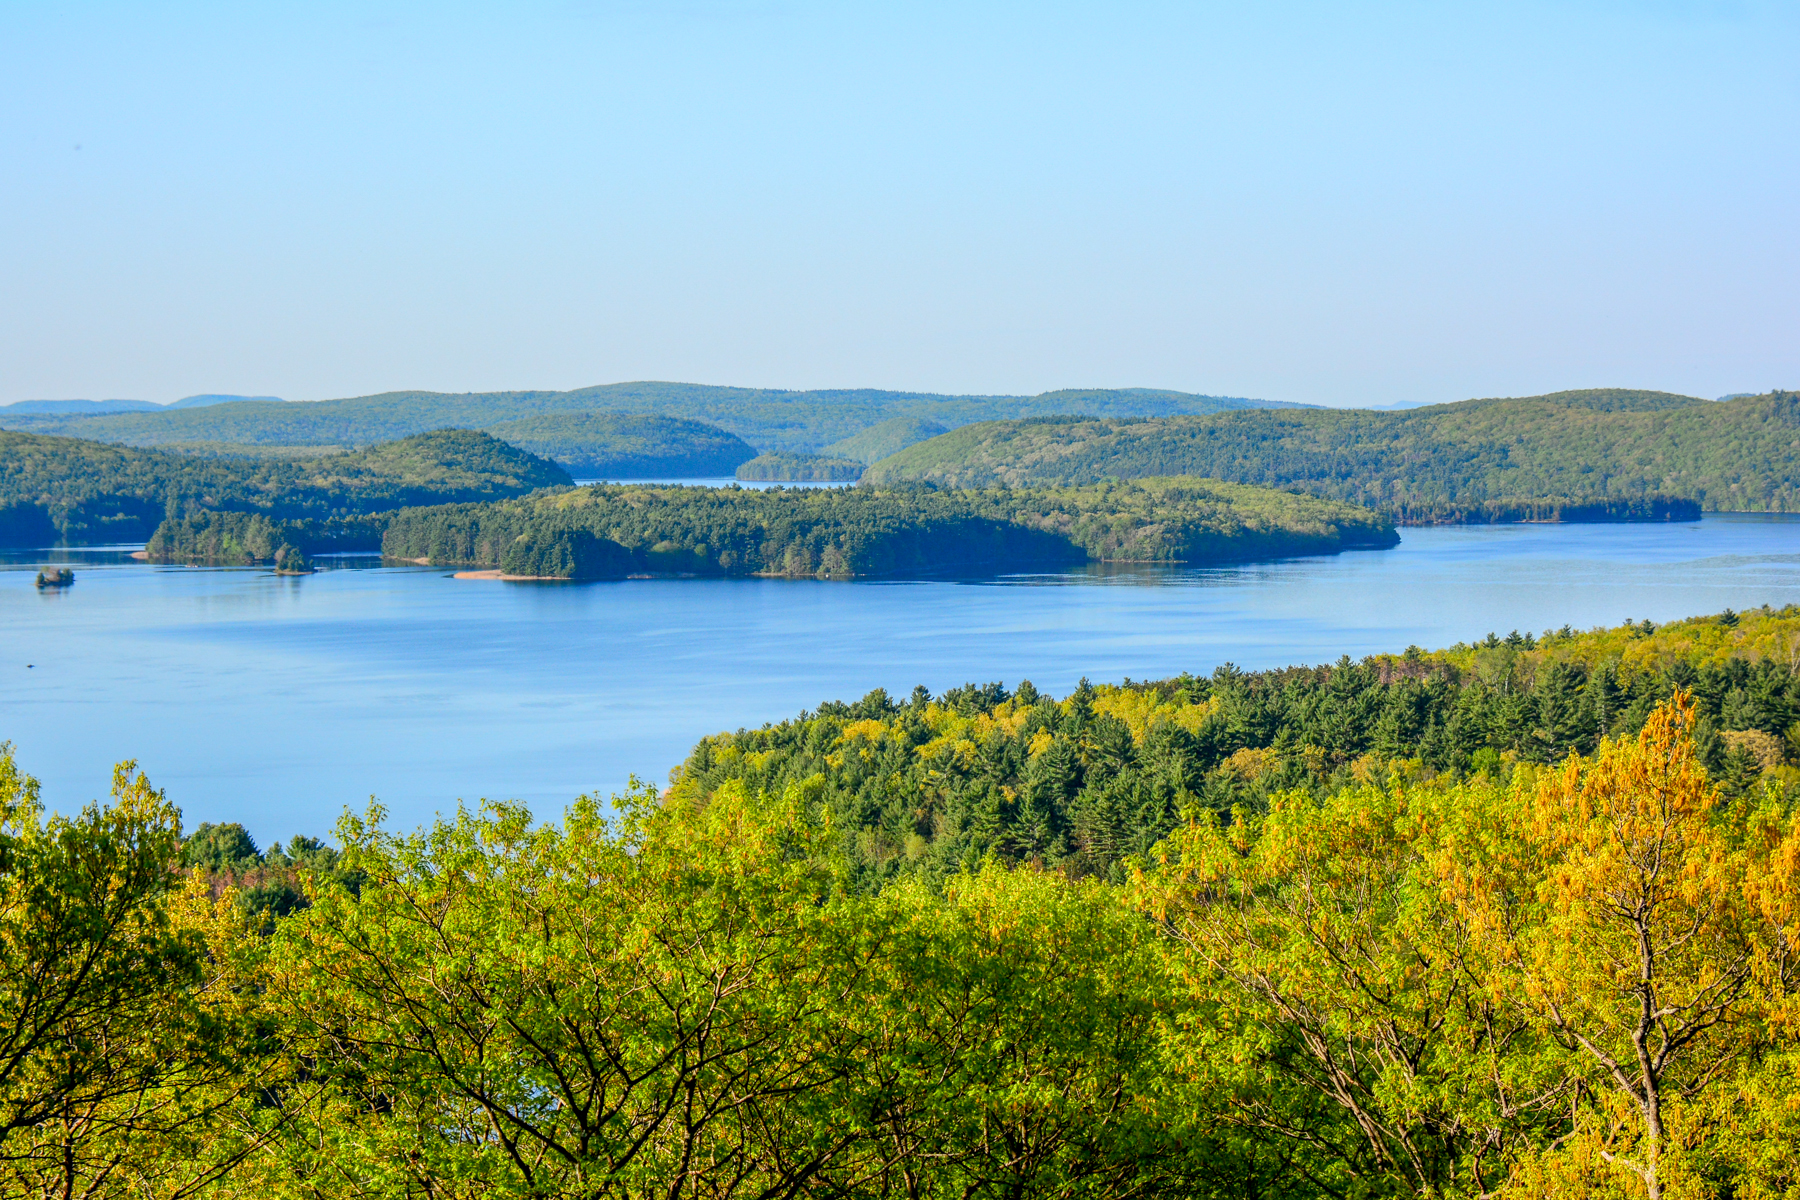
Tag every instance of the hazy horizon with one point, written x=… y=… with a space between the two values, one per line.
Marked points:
x=692 y=383
x=1299 y=203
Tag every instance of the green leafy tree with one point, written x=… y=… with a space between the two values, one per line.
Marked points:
x=128 y=1061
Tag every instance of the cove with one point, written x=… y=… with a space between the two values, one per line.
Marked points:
x=279 y=702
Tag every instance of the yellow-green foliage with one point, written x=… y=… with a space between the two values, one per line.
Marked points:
x=1754 y=636
x=1578 y=981
x=1577 y=984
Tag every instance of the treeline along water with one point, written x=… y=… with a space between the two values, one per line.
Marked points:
x=69 y=490
x=1499 y=921
x=279 y=701
x=934 y=786
x=834 y=534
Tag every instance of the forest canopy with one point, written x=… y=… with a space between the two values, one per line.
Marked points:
x=767 y=418
x=1445 y=462
x=889 y=437
x=599 y=445
x=933 y=786
x=250 y=538
x=838 y=533
x=801 y=468
x=1550 y=949
x=68 y=489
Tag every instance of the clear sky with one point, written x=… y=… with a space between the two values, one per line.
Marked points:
x=1329 y=203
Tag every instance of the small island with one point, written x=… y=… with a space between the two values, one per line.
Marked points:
x=55 y=577
x=290 y=560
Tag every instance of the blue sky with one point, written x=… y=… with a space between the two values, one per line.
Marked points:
x=1338 y=204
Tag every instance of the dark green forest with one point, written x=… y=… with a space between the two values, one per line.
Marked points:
x=1516 y=919
x=800 y=468
x=1441 y=463
x=768 y=419
x=71 y=490
x=844 y=533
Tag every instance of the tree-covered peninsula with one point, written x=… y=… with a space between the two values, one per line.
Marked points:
x=251 y=538
x=846 y=533
x=72 y=490
x=1510 y=920
x=889 y=437
x=1597 y=455
x=801 y=468
x=1083 y=783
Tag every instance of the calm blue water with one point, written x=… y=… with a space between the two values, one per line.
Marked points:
x=279 y=701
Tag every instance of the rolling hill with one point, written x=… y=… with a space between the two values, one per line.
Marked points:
x=801 y=468
x=1422 y=464
x=798 y=422
x=73 y=490
x=889 y=437
x=600 y=445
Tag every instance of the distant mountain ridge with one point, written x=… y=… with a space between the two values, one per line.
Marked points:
x=78 y=408
x=207 y=399
x=94 y=408
x=768 y=419
x=1424 y=463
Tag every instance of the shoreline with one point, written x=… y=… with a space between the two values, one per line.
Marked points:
x=495 y=574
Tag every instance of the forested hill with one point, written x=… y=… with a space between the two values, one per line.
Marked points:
x=74 y=490
x=1509 y=921
x=606 y=531
x=768 y=419
x=801 y=468
x=1422 y=464
x=935 y=786
x=600 y=445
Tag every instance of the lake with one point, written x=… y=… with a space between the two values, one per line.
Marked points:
x=280 y=701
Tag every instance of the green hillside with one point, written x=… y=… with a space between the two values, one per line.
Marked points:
x=801 y=468
x=1081 y=783
x=627 y=445
x=890 y=437
x=70 y=489
x=850 y=532
x=768 y=419
x=1423 y=464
